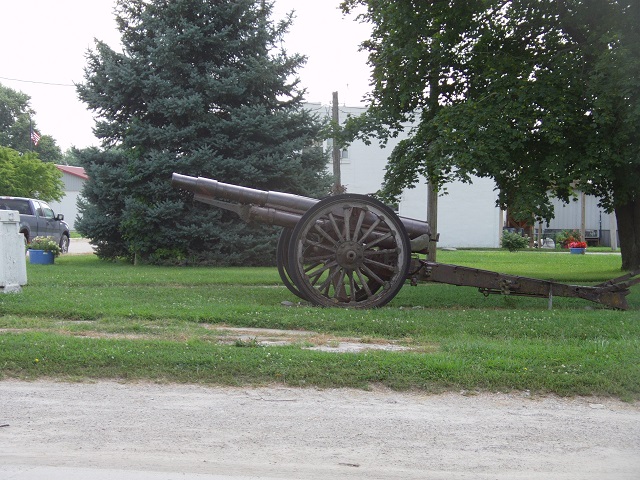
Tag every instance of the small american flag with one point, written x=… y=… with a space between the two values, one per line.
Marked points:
x=35 y=137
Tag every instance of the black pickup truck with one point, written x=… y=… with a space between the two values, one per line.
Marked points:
x=37 y=219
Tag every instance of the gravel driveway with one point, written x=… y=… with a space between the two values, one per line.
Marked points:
x=113 y=430
x=78 y=246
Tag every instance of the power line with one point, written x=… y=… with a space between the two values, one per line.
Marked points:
x=40 y=83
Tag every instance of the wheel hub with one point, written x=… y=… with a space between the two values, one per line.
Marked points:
x=350 y=254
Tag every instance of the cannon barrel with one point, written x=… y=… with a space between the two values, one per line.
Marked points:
x=244 y=195
x=277 y=207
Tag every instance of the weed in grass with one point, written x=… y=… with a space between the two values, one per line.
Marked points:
x=250 y=343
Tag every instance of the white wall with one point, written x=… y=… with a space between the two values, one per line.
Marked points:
x=68 y=206
x=467 y=216
x=568 y=216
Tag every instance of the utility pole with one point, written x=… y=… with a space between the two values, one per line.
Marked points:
x=613 y=231
x=583 y=216
x=335 y=153
x=432 y=219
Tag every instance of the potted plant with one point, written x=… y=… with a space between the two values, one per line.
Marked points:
x=565 y=237
x=43 y=250
x=578 y=248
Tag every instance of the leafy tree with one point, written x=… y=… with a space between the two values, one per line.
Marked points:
x=540 y=96
x=16 y=123
x=203 y=89
x=25 y=175
x=13 y=105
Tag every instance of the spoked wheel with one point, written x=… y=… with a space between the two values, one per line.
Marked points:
x=349 y=251
x=282 y=259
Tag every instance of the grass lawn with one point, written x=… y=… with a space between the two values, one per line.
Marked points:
x=83 y=318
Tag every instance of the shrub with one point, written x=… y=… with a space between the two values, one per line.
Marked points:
x=513 y=241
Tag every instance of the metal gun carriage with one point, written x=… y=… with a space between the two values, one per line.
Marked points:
x=351 y=250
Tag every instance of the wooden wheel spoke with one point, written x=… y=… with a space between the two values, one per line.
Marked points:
x=316 y=274
x=352 y=286
x=370 y=230
x=311 y=243
x=364 y=283
x=374 y=253
x=379 y=239
x=347 y=223
x=373 y=263
x=322 y=232
x=339 y=289
x=336 y=229
x=320 y=258
x=308 y=268
x=329 y=281
x=356 y=230
x=370 y=274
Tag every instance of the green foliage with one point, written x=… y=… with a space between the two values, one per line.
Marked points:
x=201 y=89
x=26 y=176
x=539 y=96
x=48 y=244
x=15 y=127
x=513 y=241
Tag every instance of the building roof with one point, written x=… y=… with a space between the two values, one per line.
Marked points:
x=76 y=171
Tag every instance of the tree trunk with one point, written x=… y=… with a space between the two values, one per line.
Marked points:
x=628 y=217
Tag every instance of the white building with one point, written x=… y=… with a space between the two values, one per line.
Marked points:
x=467 y=215
x=597 y=223
x=73 y=179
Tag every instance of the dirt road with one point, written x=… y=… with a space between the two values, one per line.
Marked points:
x=179 y=431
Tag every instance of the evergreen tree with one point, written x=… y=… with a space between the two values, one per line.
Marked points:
x=202 y=89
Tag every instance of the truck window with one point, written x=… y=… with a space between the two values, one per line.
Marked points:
x=47 y=211
x=38 y=208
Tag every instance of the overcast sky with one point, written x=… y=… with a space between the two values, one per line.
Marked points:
x=44 y=44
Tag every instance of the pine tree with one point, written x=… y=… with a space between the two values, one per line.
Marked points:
x=202 y=89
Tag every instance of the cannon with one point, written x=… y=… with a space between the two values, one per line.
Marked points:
x=353 y=251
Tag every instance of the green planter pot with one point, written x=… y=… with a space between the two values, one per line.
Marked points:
x=41 y=257
x=578 y=251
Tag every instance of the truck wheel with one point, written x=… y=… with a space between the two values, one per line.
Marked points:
x=64 y=244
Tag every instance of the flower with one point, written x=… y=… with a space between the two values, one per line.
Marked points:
x=578 y=245
x=48 y=244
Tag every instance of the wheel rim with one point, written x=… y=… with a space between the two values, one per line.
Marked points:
x=282 y=259
x=349 y=251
